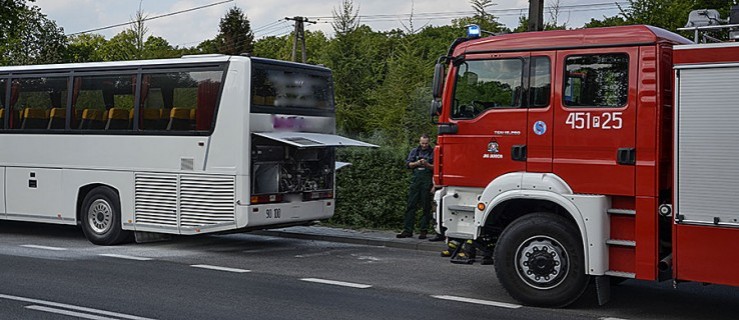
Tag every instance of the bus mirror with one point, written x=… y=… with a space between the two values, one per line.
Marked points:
x=438 y=80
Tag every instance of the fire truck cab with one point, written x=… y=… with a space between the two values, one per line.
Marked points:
x=576 y=155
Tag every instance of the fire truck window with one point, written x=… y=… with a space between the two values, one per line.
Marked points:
x=540 y=82
x=596 y=81
x=486 y=84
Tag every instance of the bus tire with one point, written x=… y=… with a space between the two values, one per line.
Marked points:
x=101 y=217
x=539 y=260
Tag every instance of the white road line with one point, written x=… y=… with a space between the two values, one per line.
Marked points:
x=33 y=246
x=73 y=307
x=69 y=313
x=338 y=283
x=477 y=301
x=205 y=266
x=121 y=256
x=610 y=318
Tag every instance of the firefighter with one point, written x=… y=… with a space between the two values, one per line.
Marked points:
x=421 y=161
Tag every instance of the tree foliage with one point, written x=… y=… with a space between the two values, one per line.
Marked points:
x=28 y=36
x=235 y=35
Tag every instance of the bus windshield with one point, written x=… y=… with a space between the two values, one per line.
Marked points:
x=277 y=88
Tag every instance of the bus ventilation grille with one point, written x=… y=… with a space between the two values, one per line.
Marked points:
x=173 y=201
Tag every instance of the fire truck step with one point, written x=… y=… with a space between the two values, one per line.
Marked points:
x=621 y=274
x=622 y=211
x=623 y=243
x=455 y=207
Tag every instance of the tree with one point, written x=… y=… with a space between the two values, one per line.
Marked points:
x=86 y=47
x=484 y=19
x=28 y=36
x=122 y=46
x=10 y=15
x=235 y=35
x=346 y=20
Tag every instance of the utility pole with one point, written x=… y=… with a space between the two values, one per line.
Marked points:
x=536 y=15
x=299 y=34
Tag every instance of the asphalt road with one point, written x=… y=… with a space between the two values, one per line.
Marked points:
x=52 y=272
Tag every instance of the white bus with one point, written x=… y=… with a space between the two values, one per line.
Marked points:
x=193 y=145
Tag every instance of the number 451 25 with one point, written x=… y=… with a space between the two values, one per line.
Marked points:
x=586 y=120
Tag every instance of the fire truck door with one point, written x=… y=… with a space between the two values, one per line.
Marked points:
x=539 y=94
x=487 y=109
x=595 y=119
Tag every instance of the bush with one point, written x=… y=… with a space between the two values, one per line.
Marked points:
x=372 y=191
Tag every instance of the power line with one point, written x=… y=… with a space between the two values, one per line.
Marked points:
x=455 y=14
x=152 y=18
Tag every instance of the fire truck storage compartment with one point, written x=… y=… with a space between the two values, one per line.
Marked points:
x=707 y=145
x=280 y=168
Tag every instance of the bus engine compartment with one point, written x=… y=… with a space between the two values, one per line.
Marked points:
x=279 y=169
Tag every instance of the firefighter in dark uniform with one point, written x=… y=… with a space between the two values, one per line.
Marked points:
x=421 y=161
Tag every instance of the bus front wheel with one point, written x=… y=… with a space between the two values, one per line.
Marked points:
x=539 y=260
x=101 y=217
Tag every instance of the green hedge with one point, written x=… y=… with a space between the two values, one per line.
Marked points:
x=372 y=191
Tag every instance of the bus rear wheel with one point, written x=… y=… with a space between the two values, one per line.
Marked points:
x=539 y=260
x=101 y=217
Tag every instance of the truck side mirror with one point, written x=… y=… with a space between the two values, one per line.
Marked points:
x=435 y=108
x=438 y=80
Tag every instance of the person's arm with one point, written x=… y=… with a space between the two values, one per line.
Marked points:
x=409 y=163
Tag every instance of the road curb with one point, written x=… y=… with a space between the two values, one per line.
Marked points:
x=410 y=244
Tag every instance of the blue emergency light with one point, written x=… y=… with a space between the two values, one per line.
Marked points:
x=473 y=31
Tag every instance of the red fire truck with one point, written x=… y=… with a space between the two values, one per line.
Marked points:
x=578 y=156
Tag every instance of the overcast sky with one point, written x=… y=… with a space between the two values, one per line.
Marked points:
x=267 y=16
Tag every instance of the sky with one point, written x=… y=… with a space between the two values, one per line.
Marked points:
x=188 y=29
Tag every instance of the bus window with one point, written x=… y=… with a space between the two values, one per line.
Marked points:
x=103 y=102
x=292 y=90
x=33 y=100
x=3 y=90
x=183 y=100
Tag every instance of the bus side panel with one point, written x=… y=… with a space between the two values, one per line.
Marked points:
x=73 y=181
x=34 y=194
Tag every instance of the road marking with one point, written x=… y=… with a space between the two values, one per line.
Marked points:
x=68 y=313
x=121 y=256
x=338 y=283
x=33 y=246
x=73 y=307
x=205 y=266
x=477 y=301
x=610 y=318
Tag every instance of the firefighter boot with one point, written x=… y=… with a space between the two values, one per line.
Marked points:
x=452 y=247
x=466 y=255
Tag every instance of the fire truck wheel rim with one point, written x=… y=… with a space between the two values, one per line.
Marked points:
x=542 y=262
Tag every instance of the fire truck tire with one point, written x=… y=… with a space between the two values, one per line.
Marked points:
x=539 y=260
x=101 y=217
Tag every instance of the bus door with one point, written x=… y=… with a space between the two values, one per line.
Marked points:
x=595 y=120
x=487 y=109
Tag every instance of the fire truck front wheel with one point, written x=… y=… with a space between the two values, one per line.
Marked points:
x=539 y=260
